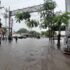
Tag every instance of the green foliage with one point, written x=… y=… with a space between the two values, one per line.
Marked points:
x=22 y=16
x=26 y=15
x=47 y=15
x=34 y=33
x=19 y=17
x=47 y=33
x=61 y=19
x=49 y=5
x=56 y=28
x=32 y=23
x=22 y=30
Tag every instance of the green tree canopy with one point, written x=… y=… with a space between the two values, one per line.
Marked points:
x=34 y=33
x=47 y=15
x=49 y=5
x=26 y=16
x=61 y=18
x=56 y=28
x=46 y=33
x=22 y=16
x=32 y=23
x=22 y=30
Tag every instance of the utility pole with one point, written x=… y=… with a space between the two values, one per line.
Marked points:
x=0 y=25
x=10 y=31
x=0 y=30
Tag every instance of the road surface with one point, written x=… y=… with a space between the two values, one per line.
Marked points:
x=32 y=54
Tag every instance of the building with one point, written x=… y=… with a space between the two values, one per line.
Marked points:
x=67 y=39
x=67 y=6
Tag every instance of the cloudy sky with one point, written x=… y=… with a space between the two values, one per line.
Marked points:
x=17 y=4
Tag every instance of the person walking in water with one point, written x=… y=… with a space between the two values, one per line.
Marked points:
x=0 y=30
x=0 y=38
x=16 y=38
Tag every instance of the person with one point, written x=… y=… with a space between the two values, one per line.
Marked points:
x=58 y=43
x=16 y=38
x=9 y=39
x=0 y=38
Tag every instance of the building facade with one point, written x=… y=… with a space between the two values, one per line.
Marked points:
x=67 y=4
x=67 y=39
x=67 y=7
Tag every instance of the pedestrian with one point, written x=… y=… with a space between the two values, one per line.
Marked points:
x=0 y=38
x=9 y=39
x=16 y=39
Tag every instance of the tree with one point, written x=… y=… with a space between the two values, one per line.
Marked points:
x=22 y=16
x=26 y=16
x=34 y=33
x=47 y=15
x=55 y=27
x=22 y=30
x=50 y=19
x=60 y=19
x=46 y=33
x=32 y=23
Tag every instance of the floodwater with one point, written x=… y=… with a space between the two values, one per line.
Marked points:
x=23 y=55
x=31 y=54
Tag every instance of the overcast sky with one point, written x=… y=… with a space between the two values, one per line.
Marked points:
x=17 y=4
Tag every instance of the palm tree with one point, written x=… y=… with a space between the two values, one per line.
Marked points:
x=32 y=23
x=59 y=20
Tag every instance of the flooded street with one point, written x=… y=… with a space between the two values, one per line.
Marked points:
x=31 y=54
x=23 y=55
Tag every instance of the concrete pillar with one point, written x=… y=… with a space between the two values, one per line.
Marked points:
x=67 y=4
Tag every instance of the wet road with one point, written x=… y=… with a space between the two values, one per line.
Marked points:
x=23 y=55
x=31 y=54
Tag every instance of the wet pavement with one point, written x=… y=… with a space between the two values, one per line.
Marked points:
x=32 y=54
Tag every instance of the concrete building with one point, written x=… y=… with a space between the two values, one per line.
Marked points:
x=67 y=39
x=67 y=6
x=67 y=3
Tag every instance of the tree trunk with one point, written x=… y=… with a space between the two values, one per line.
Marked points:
x=58 y=42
